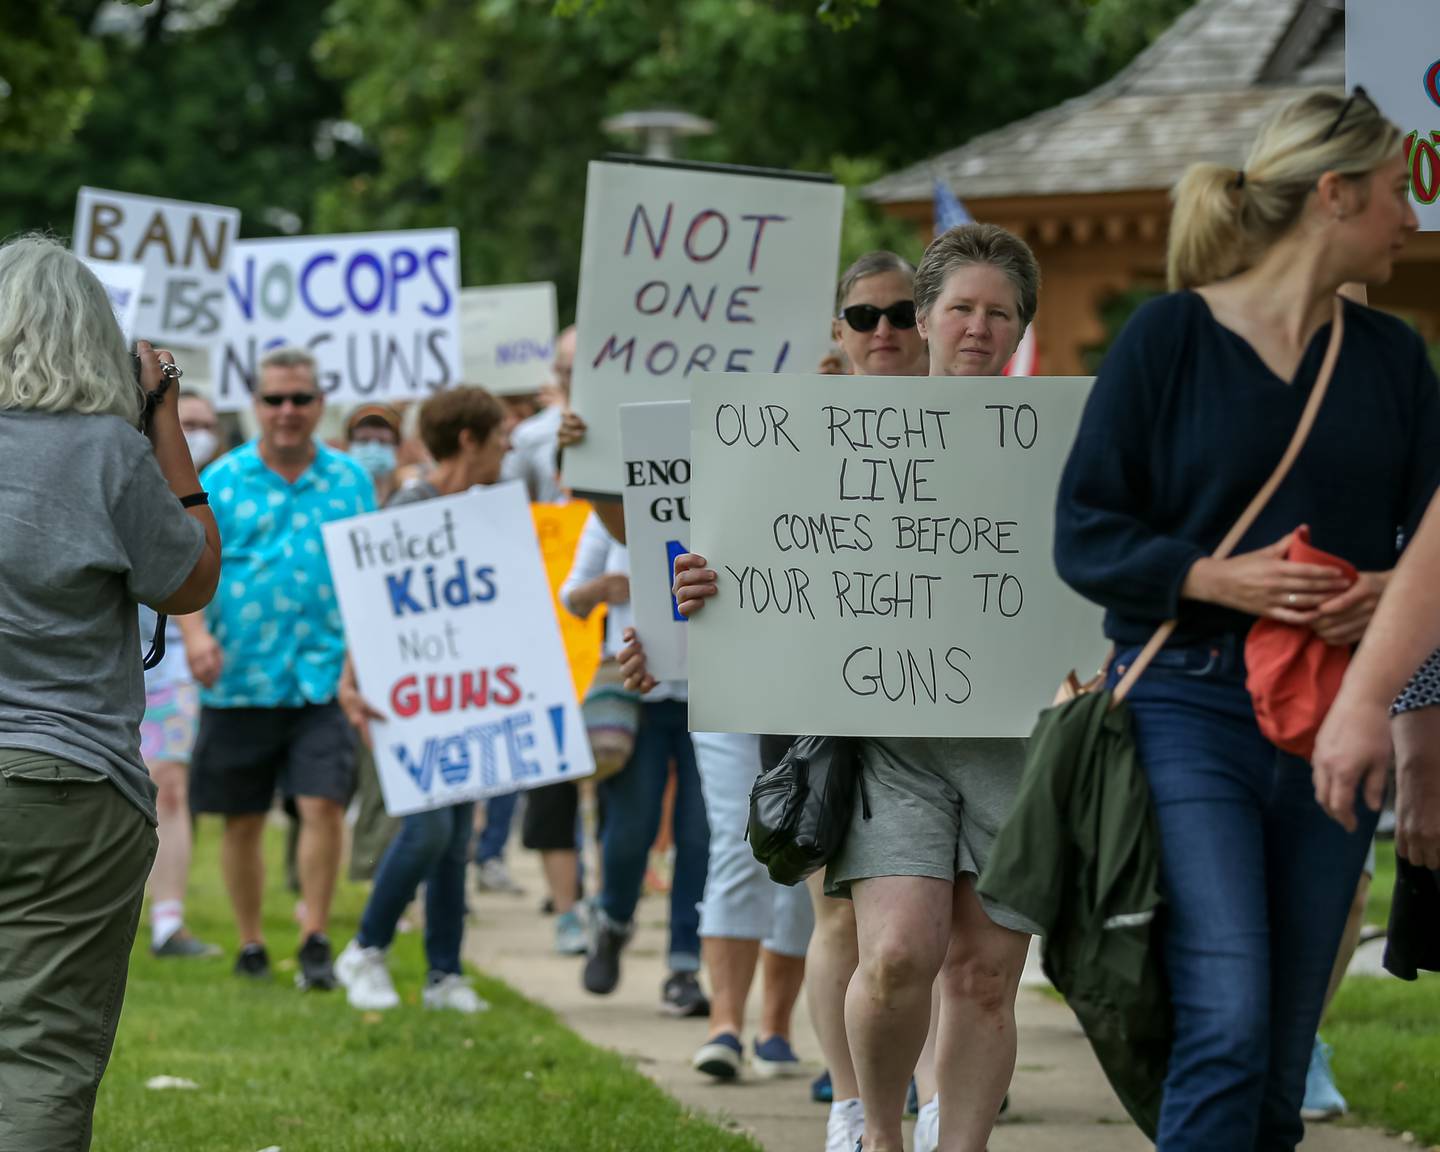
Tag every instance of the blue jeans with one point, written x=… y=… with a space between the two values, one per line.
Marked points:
x=1258 y=882
x=430 y=847
x=633 y=799
x=499 y=813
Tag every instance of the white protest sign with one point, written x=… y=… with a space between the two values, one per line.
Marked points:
x=655 y=442
x=183 y=247
x=507 y=335
x=685 y=273
x=124 y=284
x=380 y=312
x=1392 y=48
x=449 y=622
x=883 y=551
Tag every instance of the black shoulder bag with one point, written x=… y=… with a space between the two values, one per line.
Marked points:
x=800 y=806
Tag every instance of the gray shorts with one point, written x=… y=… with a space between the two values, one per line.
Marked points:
x=935 y=809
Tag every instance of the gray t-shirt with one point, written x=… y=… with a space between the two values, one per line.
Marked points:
x=88 y=529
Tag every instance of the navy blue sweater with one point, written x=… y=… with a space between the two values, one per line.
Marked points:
x=1185 y=424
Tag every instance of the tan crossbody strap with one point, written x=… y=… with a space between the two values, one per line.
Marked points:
x=1257 y=505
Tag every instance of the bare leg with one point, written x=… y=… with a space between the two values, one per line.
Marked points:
x=322 y=836
x=171 y=872
x=784 y=976
x=903 y=924
x=975 y=1055
x=730 y=964
x=242 y=865
x=834 y=955
x=562 y=878
x=925 y=1083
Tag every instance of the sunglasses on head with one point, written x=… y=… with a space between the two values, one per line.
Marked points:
x=1358 y=94
x=866 y=317
x=299 y=399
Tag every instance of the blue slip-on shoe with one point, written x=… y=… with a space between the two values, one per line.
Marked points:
x=775 y=1059
x=720 y=1056
x=821 y=1090
x=1322 y=1099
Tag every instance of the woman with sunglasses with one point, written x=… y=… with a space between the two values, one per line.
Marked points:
x=1193 y=407
x=936 y=805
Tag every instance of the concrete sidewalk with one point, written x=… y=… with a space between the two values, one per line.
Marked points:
x=1060 y=1100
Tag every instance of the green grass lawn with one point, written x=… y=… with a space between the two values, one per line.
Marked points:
x=305 y=1072
x=1386 y=1035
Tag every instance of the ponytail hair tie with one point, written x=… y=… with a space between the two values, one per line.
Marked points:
x=1239 y=179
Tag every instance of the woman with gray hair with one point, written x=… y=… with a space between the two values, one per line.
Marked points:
x=99 y=517
x=936 y=805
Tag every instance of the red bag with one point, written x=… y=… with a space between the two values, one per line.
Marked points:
x=1293 y=676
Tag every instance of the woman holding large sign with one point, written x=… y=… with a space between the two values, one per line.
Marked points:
x=1192 y=409
x=936 y=805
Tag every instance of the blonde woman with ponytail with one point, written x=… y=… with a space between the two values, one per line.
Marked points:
x=1192 y=410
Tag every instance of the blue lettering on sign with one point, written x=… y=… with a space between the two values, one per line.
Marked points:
x=456 y=758
x=524 y=352
x=673 y=551
x=419 y=590
x=305 y=273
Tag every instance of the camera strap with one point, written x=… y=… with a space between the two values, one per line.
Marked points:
x=157 y=642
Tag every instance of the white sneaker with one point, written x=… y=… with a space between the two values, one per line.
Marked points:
x=845 y=1126
x=493 y=876
x=365 y=978
x=927 y=1125
x=452 y=992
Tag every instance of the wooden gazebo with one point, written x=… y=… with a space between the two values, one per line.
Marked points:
x=1087 y=183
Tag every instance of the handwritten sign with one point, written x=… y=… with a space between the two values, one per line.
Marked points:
x=455 y=642
x=508 y=337
x=655 y=441
x=1393 y=49
x=184 y=249
x=883 y=551
x=685 y=274
x=380 y=312
x=124 y=284
x=558 y=528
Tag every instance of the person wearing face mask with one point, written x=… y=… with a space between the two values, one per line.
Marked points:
x=167 y=736
x=372 y=440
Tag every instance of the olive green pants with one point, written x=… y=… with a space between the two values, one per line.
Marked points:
x=74 y=857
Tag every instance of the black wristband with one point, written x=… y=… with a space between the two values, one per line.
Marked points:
x=195 y=499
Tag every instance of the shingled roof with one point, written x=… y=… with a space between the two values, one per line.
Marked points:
x=1198 y=93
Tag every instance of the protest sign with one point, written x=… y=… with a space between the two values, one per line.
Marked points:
x=380 y=312
x=1392 y=48
x=558 y=528
x=183 y=247
x=454 y=642
x=883 y=548
x=655 y=443
x=124 y=284
x=687 y=272
x=507 y=336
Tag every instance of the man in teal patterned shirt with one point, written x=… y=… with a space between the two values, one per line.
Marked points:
x=268 y=653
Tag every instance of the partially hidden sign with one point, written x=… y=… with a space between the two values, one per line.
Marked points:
x=883 y=548
x=558 y=528
x=692 y=273
x=655 y=442
x=454 y=640
x=124 y=284
x=1392 y=48
x=379 y=311
x=184 y=249
x=507 y=334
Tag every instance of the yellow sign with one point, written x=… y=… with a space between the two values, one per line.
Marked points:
x=558 y=528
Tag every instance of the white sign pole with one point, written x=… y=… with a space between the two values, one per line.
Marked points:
x=449 y=622
x=184 y=249
x=124 y=284
x=883 y=549
x=380 y=311
x=687 y=273
x=508 y=337
x=1392 y=48
x=655 y=441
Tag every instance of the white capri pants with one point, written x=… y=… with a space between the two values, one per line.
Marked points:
x=741 y=901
